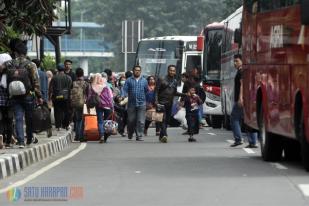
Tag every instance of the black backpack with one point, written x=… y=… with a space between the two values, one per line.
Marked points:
x=19 y=82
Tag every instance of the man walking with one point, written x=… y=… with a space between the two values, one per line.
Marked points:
x=23 y=87
x=59 y=93
x=68 y=69
x=165 y=92
x=135 y=88
x=237 y=111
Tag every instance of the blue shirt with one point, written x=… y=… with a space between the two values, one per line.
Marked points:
x=136 y=91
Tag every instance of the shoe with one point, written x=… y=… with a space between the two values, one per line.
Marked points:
x=163 y=139
x=145 y=132
x=185 y=133
x=191 y=139
x=139 y=139
x=130 y=136
x=122 y=134
x=235 y=144
x=58 y=129
x=21 y=145
x=251 y=146
x=82 y=139
x=102 y=140
x=106 y=136
x=76 y=139
x=1 y=141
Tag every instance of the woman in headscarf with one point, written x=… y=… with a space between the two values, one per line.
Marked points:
x=105 y=106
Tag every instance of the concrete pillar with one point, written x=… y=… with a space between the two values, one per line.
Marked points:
x=84 y=65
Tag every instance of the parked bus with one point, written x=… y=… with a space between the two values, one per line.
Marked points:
x=228 y=72
x=213 y=36
x=275 y=47
x=155 y=54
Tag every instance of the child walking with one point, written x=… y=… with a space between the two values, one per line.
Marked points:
x=191 y=104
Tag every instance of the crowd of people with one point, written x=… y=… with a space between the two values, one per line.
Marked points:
x=135 y=101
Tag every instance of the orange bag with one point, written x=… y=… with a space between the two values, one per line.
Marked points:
x=91 y=132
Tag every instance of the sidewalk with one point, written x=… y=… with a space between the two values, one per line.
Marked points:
x=14 y=160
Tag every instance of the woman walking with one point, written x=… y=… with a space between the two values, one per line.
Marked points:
x=104 y=108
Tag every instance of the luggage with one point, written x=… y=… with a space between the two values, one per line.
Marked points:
x=91 y=132
x=41 y=118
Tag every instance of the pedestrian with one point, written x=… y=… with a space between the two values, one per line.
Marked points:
x=121 y=107
x=68 y=69
x=150 y=104
x=6 y=111
x=191 y=104
x=59 y=93
x=24 y=90
x=105 y=107
x=166 y=90
x=78 y=97
x=135 y=88
x=237 y=110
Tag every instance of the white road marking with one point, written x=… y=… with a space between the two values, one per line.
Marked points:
x=230 y=141
x=279 y=166
x=249 y=151
x=304 y=188
x=138 y=172
x=44 y=169
x=211 y=133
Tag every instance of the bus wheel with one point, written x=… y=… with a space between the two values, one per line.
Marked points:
x=271 y=145
x=304 y=144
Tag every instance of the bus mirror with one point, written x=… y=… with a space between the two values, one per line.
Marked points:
x=304 y=8
x=237 y=37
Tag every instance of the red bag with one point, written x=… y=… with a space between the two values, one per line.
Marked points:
x=91 y=132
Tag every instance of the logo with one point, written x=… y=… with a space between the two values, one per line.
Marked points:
x=13 y=195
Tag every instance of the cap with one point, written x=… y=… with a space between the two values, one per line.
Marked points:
x=60 y=67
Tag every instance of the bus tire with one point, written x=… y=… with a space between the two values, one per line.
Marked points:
x=271 y=145
x=304 y=144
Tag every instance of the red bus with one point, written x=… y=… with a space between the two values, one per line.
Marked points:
x=275 y=47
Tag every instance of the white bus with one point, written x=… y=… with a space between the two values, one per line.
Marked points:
x=155 y=54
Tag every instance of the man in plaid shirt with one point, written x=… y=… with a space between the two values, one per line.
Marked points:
x=135 y=88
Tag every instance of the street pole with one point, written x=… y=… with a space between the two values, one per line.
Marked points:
x=125 y=45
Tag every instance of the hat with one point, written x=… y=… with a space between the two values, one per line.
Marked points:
x=4 y=58
x=60 y=67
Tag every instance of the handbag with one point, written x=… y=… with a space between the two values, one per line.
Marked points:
x=110 y=125
x=157 y=116
x=149 y=114
x=93 y=99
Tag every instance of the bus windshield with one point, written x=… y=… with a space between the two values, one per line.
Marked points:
x=155 y=56
x=213 y=43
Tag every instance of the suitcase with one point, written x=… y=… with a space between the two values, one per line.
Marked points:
x=91 y=132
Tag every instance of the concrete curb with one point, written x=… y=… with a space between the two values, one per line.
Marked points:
x=11 y=164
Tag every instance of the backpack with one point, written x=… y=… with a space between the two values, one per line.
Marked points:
x=19 y=82
x=77 y=94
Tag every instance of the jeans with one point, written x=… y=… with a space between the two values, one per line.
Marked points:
x=6 y=123
x=252 y=137
x=78 y=123
x=136 y=120
x=166 y=119
x=61 y=113
x=102 y=114
x=200 y=113
x=23 y=107
x=236 y=119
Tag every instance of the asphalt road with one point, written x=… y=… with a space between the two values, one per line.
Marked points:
x=130 y=173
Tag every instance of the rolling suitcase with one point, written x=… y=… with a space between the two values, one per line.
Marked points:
x=91 y=132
